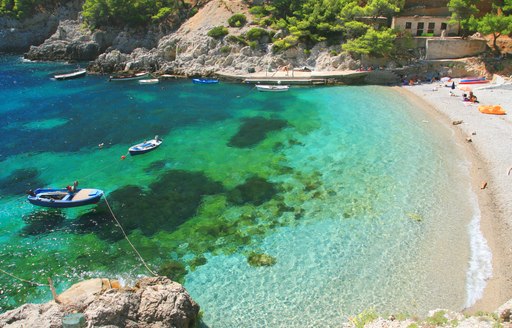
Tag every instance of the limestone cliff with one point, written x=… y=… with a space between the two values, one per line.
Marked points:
x=18 y=35
x=186 y=50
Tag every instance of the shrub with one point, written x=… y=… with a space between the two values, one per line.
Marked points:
x=237 y=20
x=162 y=13
x=218 y=32
x=236 y=39
x=255 y=34
x=225 y=49
x=258 y=11
x=285 y=43
x=253 y=44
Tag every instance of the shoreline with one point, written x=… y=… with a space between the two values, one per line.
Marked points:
x=490 y=155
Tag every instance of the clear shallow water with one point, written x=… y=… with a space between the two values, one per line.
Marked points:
x=363 y=201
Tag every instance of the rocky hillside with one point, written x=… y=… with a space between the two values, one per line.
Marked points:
x=186 y=51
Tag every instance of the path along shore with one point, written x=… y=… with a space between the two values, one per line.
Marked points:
x=488 y=140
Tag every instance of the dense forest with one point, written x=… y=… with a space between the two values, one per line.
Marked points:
x=361 y=26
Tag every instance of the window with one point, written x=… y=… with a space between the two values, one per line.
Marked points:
x=443 y=26
x=419 y=30
x=431 y=27
x=408 y=25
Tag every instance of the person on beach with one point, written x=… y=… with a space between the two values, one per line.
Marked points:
x=472 y=97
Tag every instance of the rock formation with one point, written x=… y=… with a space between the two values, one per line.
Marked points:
x=185 y=51
x=153 y=302
x=18 y=35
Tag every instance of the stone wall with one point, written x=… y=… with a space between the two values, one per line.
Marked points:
x=454 y=48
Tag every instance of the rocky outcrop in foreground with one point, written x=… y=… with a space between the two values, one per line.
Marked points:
x=153 y=302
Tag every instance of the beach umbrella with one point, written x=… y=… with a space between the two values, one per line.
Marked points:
x=465 y=88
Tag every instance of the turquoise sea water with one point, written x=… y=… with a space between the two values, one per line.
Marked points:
x=362 y=200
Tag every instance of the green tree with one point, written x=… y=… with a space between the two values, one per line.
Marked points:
x=462 y=11
x=98 y=13
x=375 y=43
x=495 y=25
x=386 y=8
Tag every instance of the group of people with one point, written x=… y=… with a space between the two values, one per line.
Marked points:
x=471 y=98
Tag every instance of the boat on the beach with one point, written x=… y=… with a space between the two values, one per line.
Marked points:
x=129 y=77
x=474 y=80
x=272 y=88
x=149 y=81
x=64 y=198
x=145 y=146
x=70 y=75
x=205 y=81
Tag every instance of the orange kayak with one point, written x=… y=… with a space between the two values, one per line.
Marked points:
x=492 y=109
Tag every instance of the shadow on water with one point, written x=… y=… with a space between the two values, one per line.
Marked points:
x=20 y=181
x=165 y=205
x=254 y=130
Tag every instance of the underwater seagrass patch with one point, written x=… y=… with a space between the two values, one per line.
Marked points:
x=254 y=190
x=254 y=130
x=42 y=222
x=19 y=181
x=168 y=203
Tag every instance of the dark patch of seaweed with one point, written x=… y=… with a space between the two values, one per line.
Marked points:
x=254 y=190
x=168 y=203
x=19 y=181
x=42 y=222
x=254 y=130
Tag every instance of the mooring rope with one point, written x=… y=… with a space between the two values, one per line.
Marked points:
x=24 y=280
x=127 y=239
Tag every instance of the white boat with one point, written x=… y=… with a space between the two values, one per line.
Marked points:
x=148 y=81
x=272 y=88
x=145 y=146
x=71 y=75
x=129 y=77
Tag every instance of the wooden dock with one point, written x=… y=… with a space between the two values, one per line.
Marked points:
x=284 y=80
x=297 y=77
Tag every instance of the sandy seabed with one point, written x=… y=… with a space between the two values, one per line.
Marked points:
x=488 y=141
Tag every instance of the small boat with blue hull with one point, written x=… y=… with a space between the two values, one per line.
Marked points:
x=145 y=146
x=64 y=198
x=205 y=81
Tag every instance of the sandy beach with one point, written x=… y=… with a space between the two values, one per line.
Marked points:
x=488 y=141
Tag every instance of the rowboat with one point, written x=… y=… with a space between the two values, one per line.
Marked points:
x=71 y=75
x=145 y=146
x=149 y=81
x=129 y=77
x=205 y=81
x=474 y=80
x=272 y=88
x=64 y=198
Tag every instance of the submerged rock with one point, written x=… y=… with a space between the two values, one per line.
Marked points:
x=153 y=302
